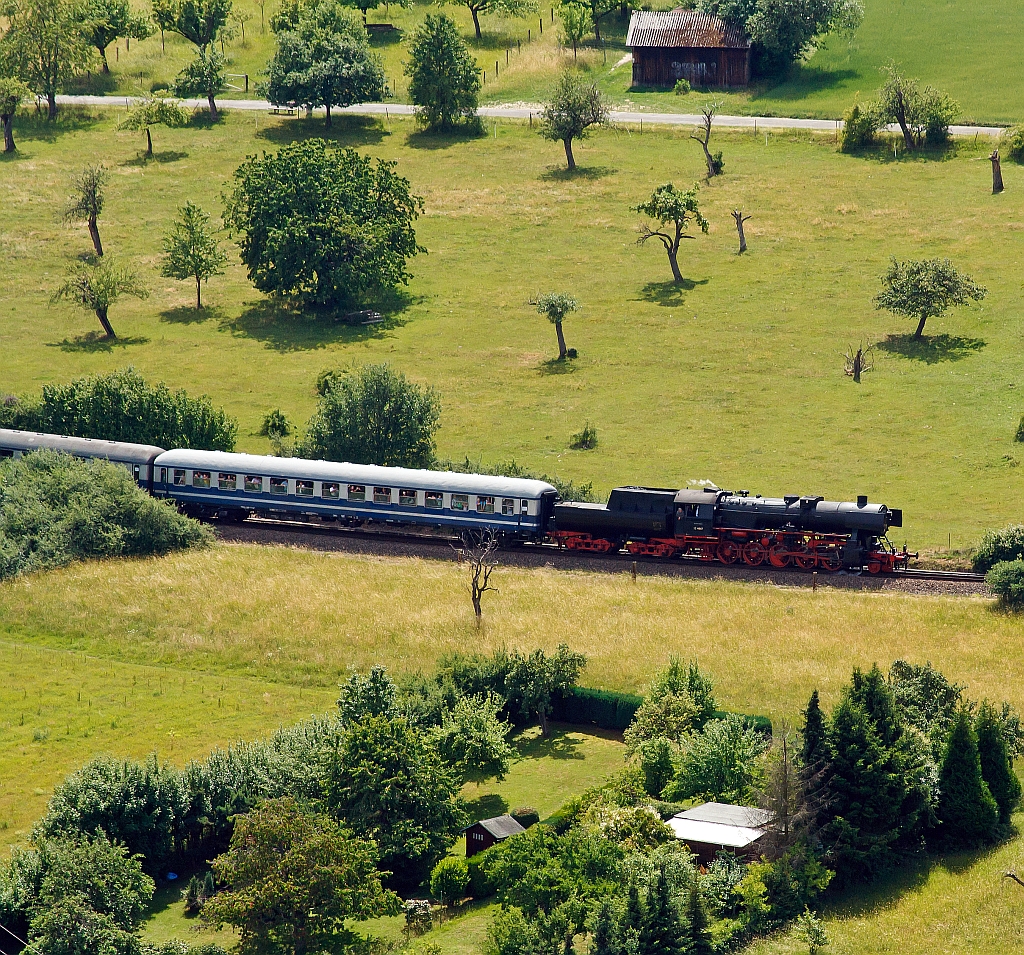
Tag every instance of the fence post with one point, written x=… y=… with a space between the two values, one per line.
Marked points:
x=495 y=69
x=247 y=82
x=528 y=36
x=541 y=26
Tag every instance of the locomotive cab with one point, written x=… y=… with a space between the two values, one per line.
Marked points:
x=695 y=512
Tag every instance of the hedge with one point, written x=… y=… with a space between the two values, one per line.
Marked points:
x=604 y=708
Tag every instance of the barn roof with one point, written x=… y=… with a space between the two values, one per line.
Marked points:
x=684 y=28
x=501 y=827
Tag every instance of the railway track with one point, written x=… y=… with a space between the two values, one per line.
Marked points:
x=542 y=554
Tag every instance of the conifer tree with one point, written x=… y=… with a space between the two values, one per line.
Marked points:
x=814 y=748
x=665 y=930
x=604 y=931
x=996 y=763
x=967 y=812
x=700 y=934
x=634 y=921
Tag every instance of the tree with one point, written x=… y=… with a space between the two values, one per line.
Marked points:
x=921 y=114
x=96 y=288
x=325 y=60
x=575 y=106
x=371 y=695
x=556 y=305
x=204 y=76
x=666 y=932
x=388 y=782
x=598 y=10
x=996 y=762
x=12 y=94
x=473 y=739
x=576 y=23
x=505 y=8
x=198 y=21
x=673 y=210
x=326 y=225
x=700 y=933
x=479 y=556
x=925 y=288
x=740 y=218
x=535 y=679
x=374 y=416
x=718 y=762
x=86 y=202
x=292 y=881
x=702 y=135
x=44 y=46
x=105 y=21
x=191 y=250
x=70 y=927
x=448 y=879
x=967 y=812
x=444 y=81
x=154 y=111
x=164 y=16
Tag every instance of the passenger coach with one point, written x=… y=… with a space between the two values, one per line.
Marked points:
x=233 y=486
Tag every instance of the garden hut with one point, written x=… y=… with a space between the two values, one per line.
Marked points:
x=712 y=827
x=487 y=832
x=687 y=45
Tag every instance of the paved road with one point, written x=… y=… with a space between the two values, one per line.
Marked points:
x=524 y=112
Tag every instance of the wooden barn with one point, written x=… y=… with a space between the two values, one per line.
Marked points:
x=687 y=44
x=487 y=832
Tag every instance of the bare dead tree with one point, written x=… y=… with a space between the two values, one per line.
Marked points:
x=858 y=362
x=997 y=173
x=740 y=218
x=784 y=795
x=1013 y=875
x=702 y=135
x=478 y=553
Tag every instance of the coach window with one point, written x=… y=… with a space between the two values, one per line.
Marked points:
x=279 y=485
x=163 y=475
x=460 y=502
x=200 y=479
x=304 y=488
x=179 y=477
x=508 y=506
x=524 y=507
x=485 y=505
x=406 y=497
x=6 y=453
x=433 y=499
x=357 y=492
x=382 y=495
x=330 y=491
x=254 y=484
x=227 y=482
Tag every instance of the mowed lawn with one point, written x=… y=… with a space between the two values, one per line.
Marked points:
x=736 y=377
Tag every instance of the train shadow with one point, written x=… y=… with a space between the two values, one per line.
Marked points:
x=932 y=349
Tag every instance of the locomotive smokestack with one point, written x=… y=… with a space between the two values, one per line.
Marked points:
x=862 y=500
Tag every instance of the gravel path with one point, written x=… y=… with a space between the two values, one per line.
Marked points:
x=330 y=539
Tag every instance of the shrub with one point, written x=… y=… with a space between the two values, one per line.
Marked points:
x=584 y=440
x=449 y=879
x=1007 y=582
x=276 y=423
x=997 y=546
x=938 y=110
x=480 y=884
x=682 y=87
x=1013 y=148
x=718 y=762
x=860 y=123
x=526 y=816
x=717 y=163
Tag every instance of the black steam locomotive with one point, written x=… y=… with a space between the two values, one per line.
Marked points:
x=716 y=525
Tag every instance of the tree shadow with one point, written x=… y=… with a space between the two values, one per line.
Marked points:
x=501 y=41
x=799 y=82
x=31 y=125
x=669 y=294
x=347 y=129
x=487 y=806
x=189 y=314
x=438 y=139
x=94 y=342
x=168 y=155
x=932 y=349
x=385 y=38
x=580 y=172
x=557 y=366
x=560 y=743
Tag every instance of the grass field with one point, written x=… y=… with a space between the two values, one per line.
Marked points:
x=966 y=49
x=736 y=376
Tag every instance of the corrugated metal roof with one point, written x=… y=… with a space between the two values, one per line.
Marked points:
x=713 y=834
x=501 y=827
x=727 y=815
x=684 y=28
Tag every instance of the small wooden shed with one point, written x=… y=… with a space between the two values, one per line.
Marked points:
x=687 y=44
x=713 y=827
x=485 y=833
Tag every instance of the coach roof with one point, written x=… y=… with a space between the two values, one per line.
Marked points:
x=79 y=447
x=354 y=473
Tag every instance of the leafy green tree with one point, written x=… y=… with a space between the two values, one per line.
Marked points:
x=198 y=21
x=371 y=695
x=654 y=757
x=1006 y=581
x=718 y=762
x=375 y=416
x=967 y=812
x=326 y=225
x=555 y=306
x=673 y=211
x=293 y=880
x=672 y=717
x=70 y=927
x=388 y=783
x=511 y=933
x=537 y=678
x=324 y=60
x=473 y=739
x=504 y=8
x=922 y=115
x=576 y=22
x=449 y=879
x=926 y=700
x=44 y=46
x=996 y=762
x=12 y=94
x=997 y=546
x=925 y=288
x=204 y=76
x=105 y=21
x=575 y=106
x=191 y=251
x=96 y=288
x=444 y=81
x=86 y=202
x=154 y=111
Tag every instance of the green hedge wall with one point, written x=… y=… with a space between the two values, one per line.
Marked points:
x=604 y=708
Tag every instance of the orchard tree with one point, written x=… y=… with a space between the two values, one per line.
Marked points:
x=576 y=23
x=96 y=288
x=12 y=94
x=191 y=251
x=924 y=289
x=673 y=211
x=198 y=21
x=325 y=225
x=153 y=111
x=555 y=306
x=922 y=115
x=537 y=678
x=204 y=76
x=86 y=202
x=374 y=416
x=293 y=880
x=505 y=8
x=474 y=739
x=106 y=21
x=444 y=81
x=575 y=106
x=597 y=10
x=44 y=46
